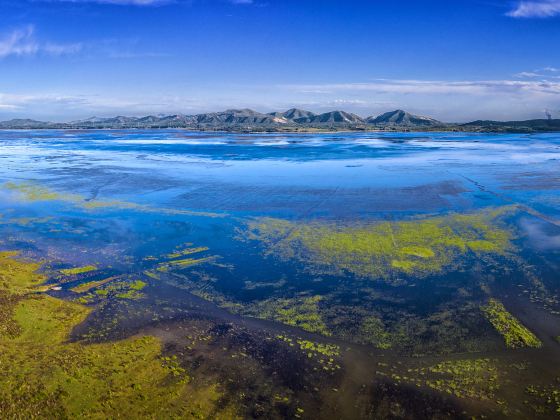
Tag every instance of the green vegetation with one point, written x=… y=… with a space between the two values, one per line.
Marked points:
x=545 y=399
x=515 y=334
x=133 y=290
x=323 y=349
x=373 y=331
x=187 y=262
x=301 y=312
x=324 y=354
x=110 y=288
x=464 y=378
x=86 y=287
x=46 y=376
x=78 y=270
x=32 y=192
x=187 y=251
x=418 y=247
x=469 y=378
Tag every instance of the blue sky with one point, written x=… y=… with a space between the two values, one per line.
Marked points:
x=454 y=60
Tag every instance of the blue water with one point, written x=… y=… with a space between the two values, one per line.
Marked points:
x=244 y=173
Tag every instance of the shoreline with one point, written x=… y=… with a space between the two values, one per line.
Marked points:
x=330 y=130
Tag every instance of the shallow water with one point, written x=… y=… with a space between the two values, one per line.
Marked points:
x=263 y=240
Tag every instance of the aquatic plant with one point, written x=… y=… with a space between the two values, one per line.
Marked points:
x=46 y=376
x=301 y=312
x=373 y=331
x=34 y=192
x=381 y=250
x=124 y=289
x=463 y=378
x=326 y=355
x=187 y=251
x=86 y=287
x=78 y=270
x=468 y=378
x=320 y=348
x=515 y=334
x=544 y=399
x=187 y=262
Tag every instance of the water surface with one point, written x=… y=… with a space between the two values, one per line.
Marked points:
x=388 y=269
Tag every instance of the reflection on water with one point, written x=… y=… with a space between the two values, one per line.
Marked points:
x=353 y=275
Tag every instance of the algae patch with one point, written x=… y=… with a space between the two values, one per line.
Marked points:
x=46 y=376
x=373 y=331
x=476 y=379
x=515 y=334
x=301 y=312
x=32 y=192
x=107 y=288
x=86 y=287
x=469 y=378
x=382 y=250
x=78 y=270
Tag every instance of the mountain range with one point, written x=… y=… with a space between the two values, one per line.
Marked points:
x=291 y=120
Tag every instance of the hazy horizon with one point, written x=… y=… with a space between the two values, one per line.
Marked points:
x=63 y=60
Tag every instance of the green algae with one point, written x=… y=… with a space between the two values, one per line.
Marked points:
x=78 y=270
x=301 y=312
x=320 y=348
x=476 y=379
x=133 y=291
x=188 y=262
x=174 y=260
x=326 y=355
x=544 y=399
x=105 y=289
x=373 y=331
x=86 y=287
x=382 y=250
x=46 y=376
x=33 y=192
x=16 y=276
x=187 y=251
x=515 y=334
x=469 y=378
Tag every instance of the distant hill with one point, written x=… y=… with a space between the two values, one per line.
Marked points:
x=333 y=117
x=238 y=116
x=115 y=122
x=524 y=126
x=295 y=119
x=295 y=113
x=400 y=118
x=22 y=123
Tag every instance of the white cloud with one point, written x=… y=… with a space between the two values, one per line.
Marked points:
x=536 y=9
x=19 y=42
x=545 y=73
x=465 y=100
x=446 y=100
x=65 y=107
x=22 y=42
x=527 y=75
x=482 y=87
